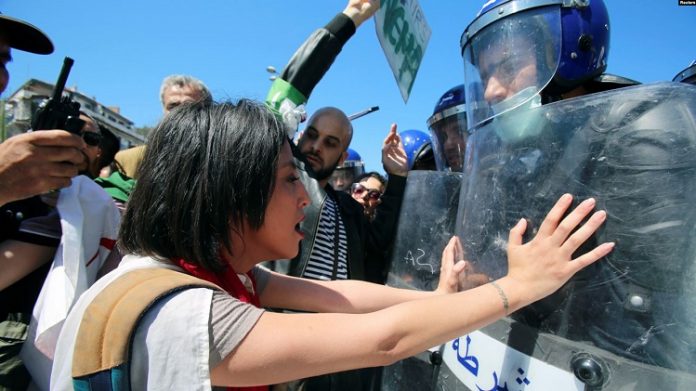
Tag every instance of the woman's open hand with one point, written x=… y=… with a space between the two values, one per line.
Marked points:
x=451 y=266
x=544 y=264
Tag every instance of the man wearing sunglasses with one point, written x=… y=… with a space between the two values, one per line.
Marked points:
x=91 y=134
x=32 y=163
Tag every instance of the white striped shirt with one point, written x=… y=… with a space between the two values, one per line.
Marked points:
x=321 y=260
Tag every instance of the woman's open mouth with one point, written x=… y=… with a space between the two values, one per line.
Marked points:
x=298 y=228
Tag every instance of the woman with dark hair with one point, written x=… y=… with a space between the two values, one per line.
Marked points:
x=219 y=193
x=367 y=189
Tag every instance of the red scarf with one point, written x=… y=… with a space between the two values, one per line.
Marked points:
x=230 y=282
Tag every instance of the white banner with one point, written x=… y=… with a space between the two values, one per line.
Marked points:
x=484 y=363
x=404 y=34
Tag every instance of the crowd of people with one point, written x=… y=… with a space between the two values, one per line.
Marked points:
x=254 y=256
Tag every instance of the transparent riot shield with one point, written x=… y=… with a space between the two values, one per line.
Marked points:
x=627 y=322
x=426 y=224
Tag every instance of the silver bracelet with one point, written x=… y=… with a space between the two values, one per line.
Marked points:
x=503 y=297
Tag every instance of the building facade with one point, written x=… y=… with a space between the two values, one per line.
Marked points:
x=23 y=103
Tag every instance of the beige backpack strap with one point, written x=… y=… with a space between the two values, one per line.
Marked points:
x=103 y=339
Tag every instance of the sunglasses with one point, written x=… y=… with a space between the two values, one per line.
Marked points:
x=360 y=191
x=92 y=138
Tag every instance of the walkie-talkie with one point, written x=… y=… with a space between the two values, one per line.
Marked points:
x=59 y=112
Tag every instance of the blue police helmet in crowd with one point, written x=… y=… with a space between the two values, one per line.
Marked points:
x=452 y=98
x=688 y=75
x=344 y=175
x=353 y=156
x=448 y=129
x=419 y=150
x=567 y=41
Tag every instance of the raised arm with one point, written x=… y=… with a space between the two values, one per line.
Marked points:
x=360 y=10
x=283 y=347
x=313 y=59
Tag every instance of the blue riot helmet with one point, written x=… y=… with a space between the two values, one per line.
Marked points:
x=353 y=156
x=448 y=130
x=688 y=75
x=344 y=175
x=419 y=149
x=516 y=49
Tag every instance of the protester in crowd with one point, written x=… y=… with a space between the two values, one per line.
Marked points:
x=36 y=162
x=367 y=190
x=347 y=245
x=175 y=90
x=110 y=146
x=237 y=215
x=30 y=258
x=38 y=255
x=91 y=134
x=112 y=177
x=335 y=231
x=30 y=164
x=288 y=94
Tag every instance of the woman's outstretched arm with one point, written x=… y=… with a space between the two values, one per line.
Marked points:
x=354 y=296
x=282 y=347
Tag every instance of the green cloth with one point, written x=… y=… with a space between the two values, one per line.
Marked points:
x=283 y=95
x=13 y=333
x=118 y=185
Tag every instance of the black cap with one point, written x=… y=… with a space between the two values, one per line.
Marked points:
x=24 y=36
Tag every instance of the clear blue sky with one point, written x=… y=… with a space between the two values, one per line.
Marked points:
x=124 y=48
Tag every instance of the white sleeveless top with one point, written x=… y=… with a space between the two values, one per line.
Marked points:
x=171 y=348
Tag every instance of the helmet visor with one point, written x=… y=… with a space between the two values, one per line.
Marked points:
x=510 y=61
x=449 y=139
x=344 y=176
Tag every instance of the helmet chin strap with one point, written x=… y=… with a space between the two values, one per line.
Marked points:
x=603 y=82
x=550 y=95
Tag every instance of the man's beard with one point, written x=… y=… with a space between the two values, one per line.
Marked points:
x=325 y=173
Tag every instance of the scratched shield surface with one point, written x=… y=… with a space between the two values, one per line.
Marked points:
x=426 y=224
x=628 y=321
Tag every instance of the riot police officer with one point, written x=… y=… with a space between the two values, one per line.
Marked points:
x=448 y=129
x=544 y=118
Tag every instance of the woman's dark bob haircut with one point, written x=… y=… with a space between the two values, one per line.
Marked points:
x=208 y=167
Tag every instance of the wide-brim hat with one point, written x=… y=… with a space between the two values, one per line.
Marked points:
x=24 y=36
